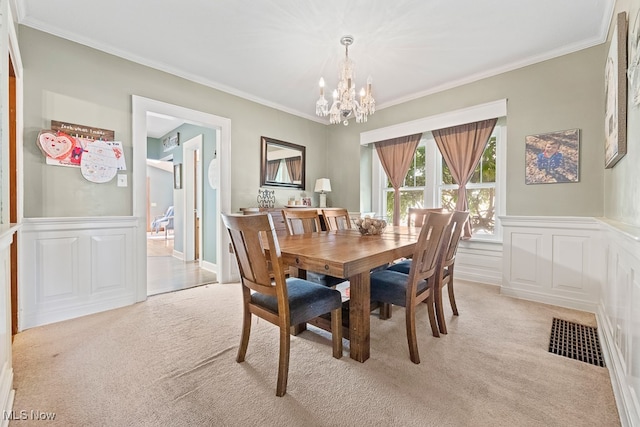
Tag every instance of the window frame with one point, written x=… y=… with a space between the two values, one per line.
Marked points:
x=433 y=177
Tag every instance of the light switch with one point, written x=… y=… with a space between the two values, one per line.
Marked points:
x=122 y=180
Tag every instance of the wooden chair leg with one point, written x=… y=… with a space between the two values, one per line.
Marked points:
x=244 y=338
x=432 y=316
x=452 y=297
x=410 y=313
x=442 y=323
x=336 y=332
x=385 y=310
x=283 y=362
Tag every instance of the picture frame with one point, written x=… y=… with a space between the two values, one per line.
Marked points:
x=177 y=176
x=615 y=126
x=553 y=157
x=170 y=142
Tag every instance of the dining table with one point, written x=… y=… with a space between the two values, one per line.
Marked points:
x=350 y=255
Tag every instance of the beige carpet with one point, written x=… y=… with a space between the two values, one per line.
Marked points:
x=170 y=361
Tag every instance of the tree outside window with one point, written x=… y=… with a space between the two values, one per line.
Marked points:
x=481 y=189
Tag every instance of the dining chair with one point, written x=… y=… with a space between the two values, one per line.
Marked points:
x=300 y=221
x=336 y=219
x=445 y=278
x=410 y=290
x=267 y=294
x=416 y=216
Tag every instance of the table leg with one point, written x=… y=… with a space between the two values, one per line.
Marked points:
x=302 y=274
x=359 y=312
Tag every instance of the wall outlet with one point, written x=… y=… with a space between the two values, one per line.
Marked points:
x=122 y=180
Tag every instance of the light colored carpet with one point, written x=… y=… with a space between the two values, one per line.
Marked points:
x=170 y=361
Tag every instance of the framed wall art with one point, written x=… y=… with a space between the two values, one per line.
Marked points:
x=615 y=125
x=170 y=142
x=552 y=157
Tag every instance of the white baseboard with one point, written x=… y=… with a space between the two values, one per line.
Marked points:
x=209 y=266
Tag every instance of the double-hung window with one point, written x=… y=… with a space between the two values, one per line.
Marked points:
x=429 y=184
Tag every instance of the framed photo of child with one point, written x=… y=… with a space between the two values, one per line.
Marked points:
x=552 y=157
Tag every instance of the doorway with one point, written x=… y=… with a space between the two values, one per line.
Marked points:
x=221 y=126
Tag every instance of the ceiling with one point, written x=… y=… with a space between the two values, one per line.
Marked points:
x=275 y=51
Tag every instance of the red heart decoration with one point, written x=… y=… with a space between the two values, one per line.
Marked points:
x=56 y=145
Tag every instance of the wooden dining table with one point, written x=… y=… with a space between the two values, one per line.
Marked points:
x=350 y=255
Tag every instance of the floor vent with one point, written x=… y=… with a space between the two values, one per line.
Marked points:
x=576 y=341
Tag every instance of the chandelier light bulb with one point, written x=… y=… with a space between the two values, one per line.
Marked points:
x=345 y=104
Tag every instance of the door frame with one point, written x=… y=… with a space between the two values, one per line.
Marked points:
x=190 y=202
x=222 y=125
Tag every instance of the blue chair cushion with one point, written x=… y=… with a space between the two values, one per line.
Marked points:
x=403 y=266
x=306 y=300
x=391 y=287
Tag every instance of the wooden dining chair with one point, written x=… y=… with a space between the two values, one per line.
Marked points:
x=267 y=294
x=416 y=216
x=445 y=278
x=336 y=219
x=410 y=290
x=300 y=221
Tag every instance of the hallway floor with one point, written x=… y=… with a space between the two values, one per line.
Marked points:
x=165 y=273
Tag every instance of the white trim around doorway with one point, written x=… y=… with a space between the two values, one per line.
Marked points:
x=222 y=125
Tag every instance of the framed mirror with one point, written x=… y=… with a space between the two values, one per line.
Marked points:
x=282 y=164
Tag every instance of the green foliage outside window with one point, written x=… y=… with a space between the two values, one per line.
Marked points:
x=481 y=200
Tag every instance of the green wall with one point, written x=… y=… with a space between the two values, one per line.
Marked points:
x=563 y=93
x=70 y=82
x=622 y=182
x=91 y=87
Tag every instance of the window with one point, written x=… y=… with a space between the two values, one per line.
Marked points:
x=429 y=184
x=481 y=191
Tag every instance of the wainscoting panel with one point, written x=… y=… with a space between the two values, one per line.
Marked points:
x=70 y=267
x=109 y=270
x=480 y=262
x=554 y=260
x=619 y=316
x=570 y=258
x=56 y=270
x=526 y=251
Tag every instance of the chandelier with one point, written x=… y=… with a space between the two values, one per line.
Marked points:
x=345 y=105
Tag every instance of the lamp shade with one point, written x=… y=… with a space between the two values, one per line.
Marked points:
x=323 y=185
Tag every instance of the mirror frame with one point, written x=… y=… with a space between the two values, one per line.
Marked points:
x=266 y=141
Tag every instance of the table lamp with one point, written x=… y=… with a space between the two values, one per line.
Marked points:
x=323 y=186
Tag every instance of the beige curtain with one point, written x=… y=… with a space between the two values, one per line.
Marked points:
x=396 y=155
x=294 y=166
x=462 y=147
x=272 y=169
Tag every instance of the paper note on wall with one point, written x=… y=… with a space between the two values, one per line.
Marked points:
x=99 y=163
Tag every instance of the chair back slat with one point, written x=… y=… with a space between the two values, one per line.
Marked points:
x=432 y=242
x=458 y=220
x=261 y=270
x=301 y=221
x=336 y=219
x=416 y=216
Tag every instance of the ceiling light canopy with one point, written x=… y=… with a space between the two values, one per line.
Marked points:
x=345 y=105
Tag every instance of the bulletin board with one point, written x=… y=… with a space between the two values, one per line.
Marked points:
x=91 y=149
